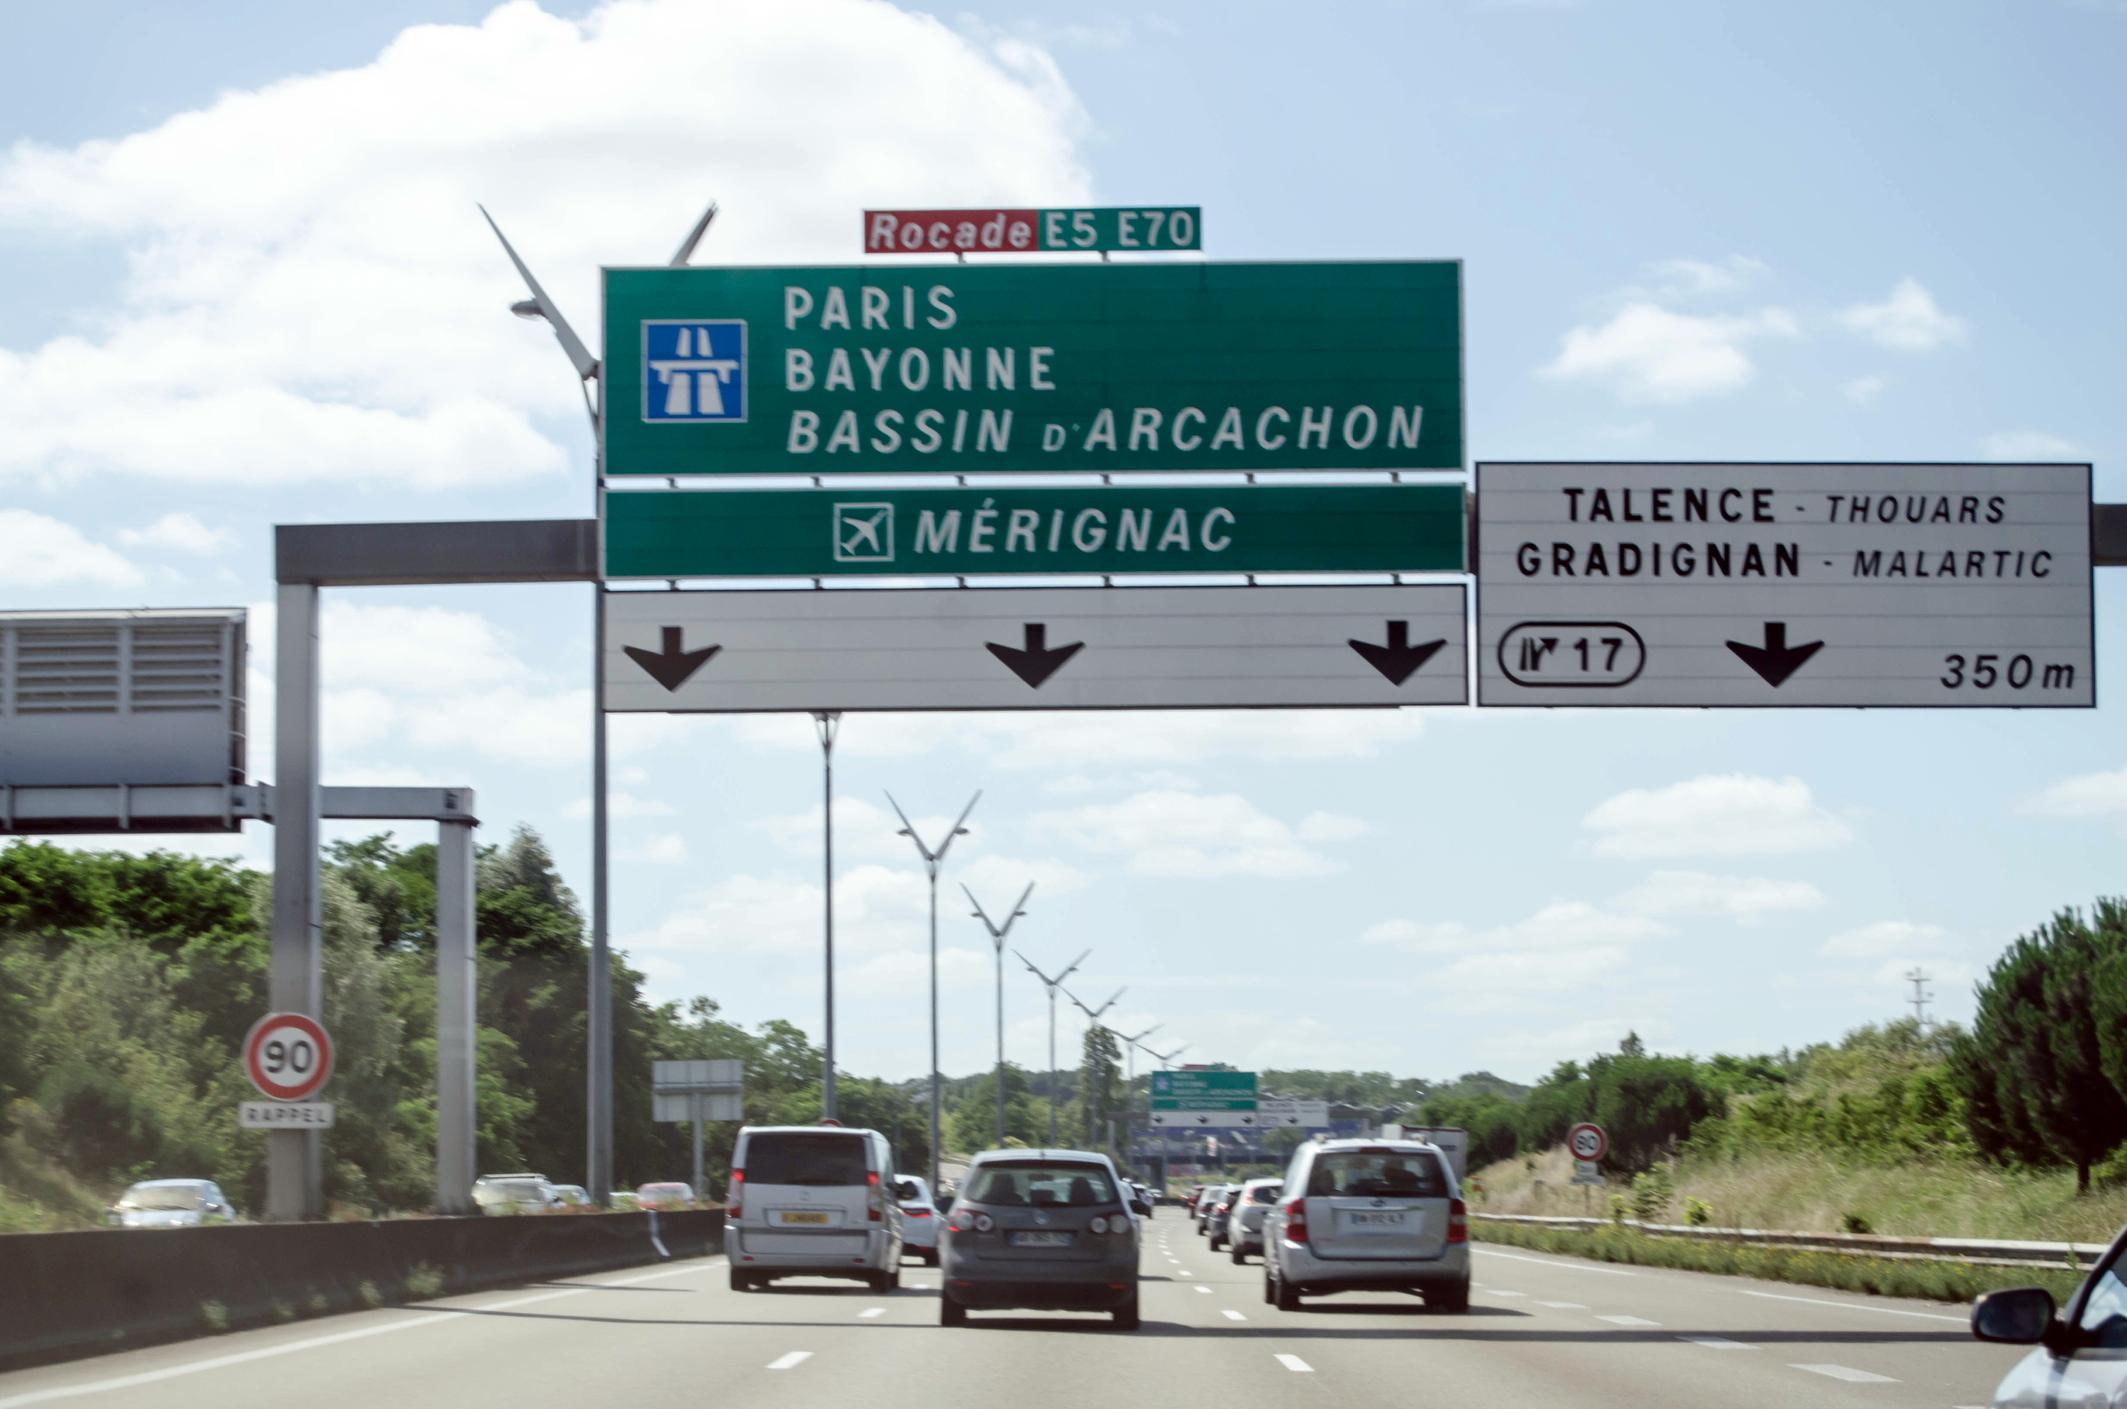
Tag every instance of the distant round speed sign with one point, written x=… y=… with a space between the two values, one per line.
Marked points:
x=288 y=1056
x=1587 y=1141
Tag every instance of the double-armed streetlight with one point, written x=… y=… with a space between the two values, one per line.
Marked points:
x=997 y=934
x=932 y=860
x=1052 y=984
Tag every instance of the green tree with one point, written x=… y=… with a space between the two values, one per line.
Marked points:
x=1100 y=1084
x=2033 y=1071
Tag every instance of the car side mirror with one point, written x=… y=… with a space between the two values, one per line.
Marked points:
x=1140 y=1208
x=2017 y=1316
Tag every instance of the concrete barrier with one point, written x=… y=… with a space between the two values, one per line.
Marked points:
x=75 y=1294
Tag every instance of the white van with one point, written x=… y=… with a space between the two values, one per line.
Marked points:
x=812 y=1201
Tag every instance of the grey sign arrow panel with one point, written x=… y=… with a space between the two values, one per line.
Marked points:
x=1770 y=585
x=1039 y=648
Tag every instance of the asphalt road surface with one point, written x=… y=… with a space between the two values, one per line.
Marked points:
x=1542 y=1333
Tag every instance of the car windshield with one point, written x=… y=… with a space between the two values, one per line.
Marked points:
x=807 y=1160
x=1043 y=1184
x=164 y=1199
x=1377 y=1174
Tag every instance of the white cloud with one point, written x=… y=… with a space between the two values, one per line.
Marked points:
x=2028 y=445
x=36 y=551
x=2085 y=795
x=1560 y=925
x=178 y=532
x=1743 y=898
x=1886 y=939
x=1909 y=320
x=1862 y=390
x=1694 y=278
x=877 y=909
x=622 y=804
x=310 y=294
x=1647 y=353
x=1198 y=836
x=1714 y=815
x=663 y=849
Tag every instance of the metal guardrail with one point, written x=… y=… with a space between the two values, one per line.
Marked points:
x=2007 y=1252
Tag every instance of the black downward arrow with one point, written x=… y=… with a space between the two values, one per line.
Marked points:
x=671 y=666
x=1035 y=662
x=1399 y=660
x=1775 y=660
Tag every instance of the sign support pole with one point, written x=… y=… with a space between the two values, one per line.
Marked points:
x=827 y=723
x=598 y=1103
x=694 y=1107
x=455 y=1030
x=295 y=1168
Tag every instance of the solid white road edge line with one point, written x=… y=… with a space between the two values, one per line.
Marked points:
x=1842 y=1305
x=245 y=1357
x=1842 y=1372
x=1296 y=1364
x=785 y=1362
x=1569 y=1266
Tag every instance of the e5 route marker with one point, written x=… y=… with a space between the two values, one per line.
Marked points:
x=288 y=1056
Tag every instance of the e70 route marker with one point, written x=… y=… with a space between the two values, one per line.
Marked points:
x=1022 y=231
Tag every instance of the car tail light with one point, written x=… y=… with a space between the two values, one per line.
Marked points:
x=984 y=1223
x=916 y=1212
x=961 y=1222
x=1458 y=1222
x=735 y=1196
x=1098 y=1225
x=1296 y=1221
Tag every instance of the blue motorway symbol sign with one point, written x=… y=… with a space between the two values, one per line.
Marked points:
x=694 y=369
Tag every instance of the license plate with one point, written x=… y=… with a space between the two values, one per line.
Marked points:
x=810 y=1218
x=1041 y=1240
x=1376 y=1220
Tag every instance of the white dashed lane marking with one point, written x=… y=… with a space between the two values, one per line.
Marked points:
x=785 y=1362
x=1296 y=1364
x=1847 y=1373
x=1716 y=1343
x=870 y=1311
x=1205 y=1290
x=1628 y=1320
x=1505 y=1294
x=1564 y=1305
x=1230 y=1314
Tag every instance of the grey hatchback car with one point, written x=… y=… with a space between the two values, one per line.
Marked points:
x=1043 y=1230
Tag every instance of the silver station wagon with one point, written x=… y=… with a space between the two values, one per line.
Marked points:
x=1043 y=1230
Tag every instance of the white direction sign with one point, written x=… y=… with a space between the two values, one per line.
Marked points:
x=1276 y=1110
x=1209 y=1120
x=1955 y=586
x=1035 y=648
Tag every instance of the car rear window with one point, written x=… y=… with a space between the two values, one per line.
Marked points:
x=1264 y=1194
x=1377 y=1174
x=1043 y=1184
x=815 y=1161
x=168 y=1197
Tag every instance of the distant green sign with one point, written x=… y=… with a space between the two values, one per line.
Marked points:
x=964 y=369
x=1203 y=1091
x=848 y=532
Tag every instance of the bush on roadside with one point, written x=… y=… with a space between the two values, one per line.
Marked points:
x=1651 y=1193
x=1697 y=1212
x=1855 y=1222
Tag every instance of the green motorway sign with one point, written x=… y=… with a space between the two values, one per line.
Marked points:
x=835 y=532
x=1203 y=1091
x=977 y=368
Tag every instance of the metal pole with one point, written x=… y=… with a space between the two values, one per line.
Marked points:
x=295 y=1169
x=598 y=1102
x=932 y=867
x=1052 y=1067
x=1000 y=1043
x=828 y=723
x=455 y=1018
x=694 y=1108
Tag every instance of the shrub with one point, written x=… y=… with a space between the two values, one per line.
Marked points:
x=368 y=1295
x=214 y=1316
x=1697 y=1212
x=1651 y=1193
x=1856 y=1223
x=423 y=1283
x=1619 y=1207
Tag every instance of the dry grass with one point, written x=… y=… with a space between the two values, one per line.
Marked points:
x=1814 y=1194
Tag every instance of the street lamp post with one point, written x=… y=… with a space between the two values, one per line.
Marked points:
x=1093 y=1016
x=1130 y=1079
x=997 y=943
x=1052 y=984
x=827 y=724
x=932 y=860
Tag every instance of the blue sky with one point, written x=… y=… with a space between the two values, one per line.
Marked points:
x=242 y=282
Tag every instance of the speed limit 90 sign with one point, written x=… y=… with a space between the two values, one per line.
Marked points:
x=1587 y=1141
x=288 y=1056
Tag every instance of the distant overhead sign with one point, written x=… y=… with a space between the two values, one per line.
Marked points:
x=1108 y=229
x=1306 y=1115
x=1203 y=1091
x=1955 y=586
x=1005 y=367
x=1048 y=648
x=1094 y=529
